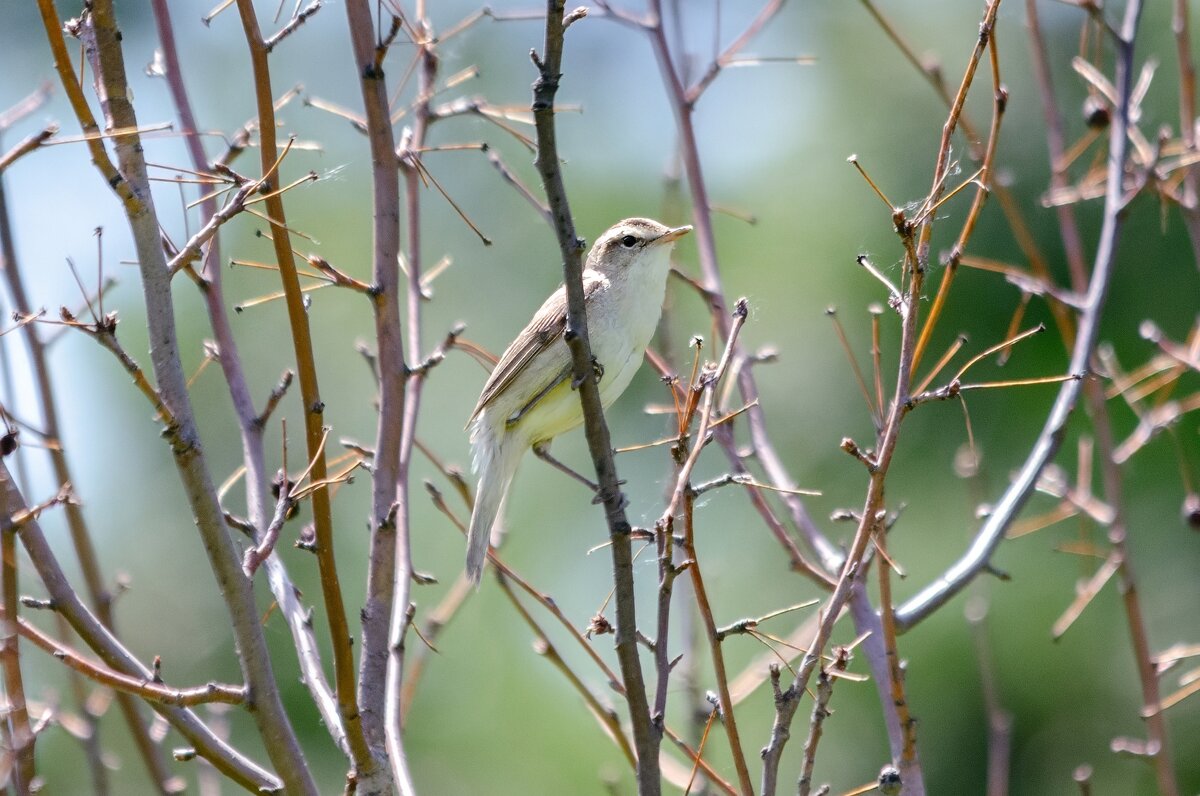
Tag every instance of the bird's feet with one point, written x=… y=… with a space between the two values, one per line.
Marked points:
x=597 y=373
x=600 y=497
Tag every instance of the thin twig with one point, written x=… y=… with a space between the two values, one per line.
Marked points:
x=820 y=712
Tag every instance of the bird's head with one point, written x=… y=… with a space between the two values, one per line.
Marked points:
x=633 y=243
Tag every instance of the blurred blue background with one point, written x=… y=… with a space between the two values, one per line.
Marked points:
x=490 y=715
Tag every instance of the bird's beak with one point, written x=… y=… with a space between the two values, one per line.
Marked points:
x=674 y=234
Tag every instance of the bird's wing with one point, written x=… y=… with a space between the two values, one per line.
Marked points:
x=547 y=326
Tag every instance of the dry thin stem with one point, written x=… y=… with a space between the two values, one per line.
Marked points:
x=681 y=494
x=151 y=691
x=551 y=606
x=607 y=717
x=26 y=145
x=984 y=182
x=820 y=712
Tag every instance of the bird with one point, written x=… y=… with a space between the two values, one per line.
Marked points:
x=528 y=400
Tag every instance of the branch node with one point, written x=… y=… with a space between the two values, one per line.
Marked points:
x=851 y=447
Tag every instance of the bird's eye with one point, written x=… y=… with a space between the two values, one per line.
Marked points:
x=629 y=241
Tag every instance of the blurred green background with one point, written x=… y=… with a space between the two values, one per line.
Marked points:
x=491 y=716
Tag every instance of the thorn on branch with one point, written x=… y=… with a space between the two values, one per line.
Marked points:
x=340 y=278
x=998 y=573
x=439 y=353
x=424 y=579
x=277 y=393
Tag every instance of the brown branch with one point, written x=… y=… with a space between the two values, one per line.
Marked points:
x=682 y=495
x=1059 y=178
x=20 y=733
x=724 y=696
x=549 y=65
x=985 y=180
x=887 y=614
x=343 y=659
x=1148 y=673
x=820 y=712
x=915 y=242
x=150 y=690
x=787 y=700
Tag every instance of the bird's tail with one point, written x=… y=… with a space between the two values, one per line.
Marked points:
x=497 y=455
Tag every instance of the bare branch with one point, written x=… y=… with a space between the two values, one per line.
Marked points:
x=549 y=66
